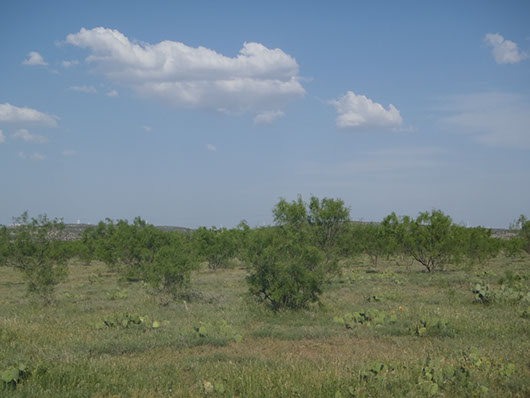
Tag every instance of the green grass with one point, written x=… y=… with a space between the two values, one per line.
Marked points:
x=285 y=354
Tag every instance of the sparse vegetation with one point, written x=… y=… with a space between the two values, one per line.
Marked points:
x=324 y=324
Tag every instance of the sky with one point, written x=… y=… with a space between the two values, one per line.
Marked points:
x=195 y=113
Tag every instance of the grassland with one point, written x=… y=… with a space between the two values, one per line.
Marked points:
x=71 y=353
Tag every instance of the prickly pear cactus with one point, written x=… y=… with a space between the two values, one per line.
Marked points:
x=369 y=318
x=13 y=375
x=126 y=320
x=220 y=328
x=429 y=326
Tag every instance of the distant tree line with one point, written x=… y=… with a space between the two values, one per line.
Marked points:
x=288 y=263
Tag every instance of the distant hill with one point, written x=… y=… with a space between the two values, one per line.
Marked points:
x=74 y=231
x=503 y=233
x=499 y=233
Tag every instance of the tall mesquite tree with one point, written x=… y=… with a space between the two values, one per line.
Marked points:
x=129 y=247
x=522 y=226
x=34 y=247
x=215 y=245
x=140 y=251
x=327 y=218
x=477 y=244
x=374 y=241
x=430 y=239
x=290 y=262
x=170 y=271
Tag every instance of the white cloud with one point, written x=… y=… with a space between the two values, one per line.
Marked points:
x=147 y=129
x=69 y=152
x=210 y=147
x=34 y=156
x=26 y=136
x=380 y=162
x=34 y=58
x=267 y=117
x=357 y=111
x=15 y=114
x=2 y=137
x=37 y=156
x=494 y=119
x=256 y=80
x=84 y=89
x=69 y=64
x=504 y=51
x=112 y=93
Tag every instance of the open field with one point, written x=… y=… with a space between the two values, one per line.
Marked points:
x=71 y=353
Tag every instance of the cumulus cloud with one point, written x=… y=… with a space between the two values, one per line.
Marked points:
x=210 y=147
x=493 y=119
x=69 y=64
x=256 y=80
x=34 y=58
x=26 y=136
x=112 y=93
x=147 y=129
x=357 y=111
x=14 y=114
x=84 y=89
x=69 y=152
x=2 y=137
x=267 y=117
x=504 y=51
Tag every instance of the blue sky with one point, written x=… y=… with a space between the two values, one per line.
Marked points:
x=206 y=113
